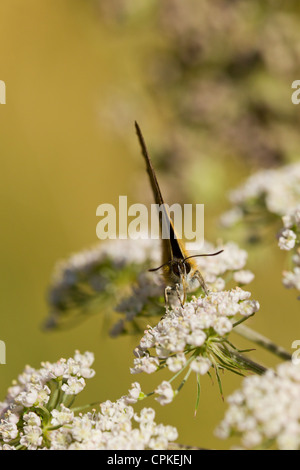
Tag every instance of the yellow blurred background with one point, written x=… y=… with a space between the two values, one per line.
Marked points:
x=67 y=145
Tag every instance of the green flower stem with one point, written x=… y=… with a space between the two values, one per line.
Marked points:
x=248 y=363
x=262 y=341
x=146 y=395
x=67 y=400
x=84 y=407
x=198 y=394
x=55 y=391
x=183 y=381
x=20 y=447
x=44 y=412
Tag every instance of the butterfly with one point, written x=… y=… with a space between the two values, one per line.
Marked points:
x=180 y=270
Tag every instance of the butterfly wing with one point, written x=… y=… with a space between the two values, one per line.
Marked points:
x=172 y=247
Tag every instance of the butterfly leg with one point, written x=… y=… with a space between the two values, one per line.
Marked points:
x=167 y=292
x=170 y=293
x=199 y=277
x=179 y=296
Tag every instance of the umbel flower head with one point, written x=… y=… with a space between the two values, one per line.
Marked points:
x=96 y=279
x=266 y=197
x=289 y=240
x=37 y=413
x=114 y=276
x=265 y=412
x=266 y=193
x=195 y=338
x=146 y=298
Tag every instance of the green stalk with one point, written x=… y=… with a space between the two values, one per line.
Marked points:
x=251 y=365
x=183 y=381
x=55 y=390
x=84 y=407
x=262 y=341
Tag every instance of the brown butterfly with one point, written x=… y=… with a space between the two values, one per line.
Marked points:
x=180 y=270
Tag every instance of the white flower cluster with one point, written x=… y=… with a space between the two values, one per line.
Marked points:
x=288 y=239
x=150 y=286
x=191 y=328
x=142 y=300
x=266 y=410
x=120 y=252
x=80 y=280
x=34 y=414
x=35 y=394
x=275 y=190
x=215 y=268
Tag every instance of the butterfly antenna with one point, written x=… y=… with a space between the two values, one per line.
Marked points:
x=159 y=267
x=206 y=254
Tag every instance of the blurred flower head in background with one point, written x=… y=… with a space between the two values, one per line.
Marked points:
x=265 y=412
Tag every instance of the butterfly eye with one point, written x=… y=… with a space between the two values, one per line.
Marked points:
x=187 y=268
x=175 y=268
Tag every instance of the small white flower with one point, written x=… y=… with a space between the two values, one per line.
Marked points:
x=287 y=240
x=169 y=432
x=146 y=415
x=43 y=395
x=81 y=429
x=251 y=439
x=133 y=394
x=201 y=365
x=27 y=399
x=58 y=369
x=85 y=361
x=32 y=419
x=8 y=431
x=7 y=447
x=176 y=362
x=291 y=279
x=228 y=308
x=158 y=443
x=73 y=386
x=32 y=438
x=288 y=220
x=62 y=417
x=222 y=325
x=248 y=307
x=145 y=364
x=165 y=393
x=243 y=277
x=292 y=218
x=196 y=338
x=61 y=439
x=73 y=368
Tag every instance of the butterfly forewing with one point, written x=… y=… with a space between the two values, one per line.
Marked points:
x=172 y=246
